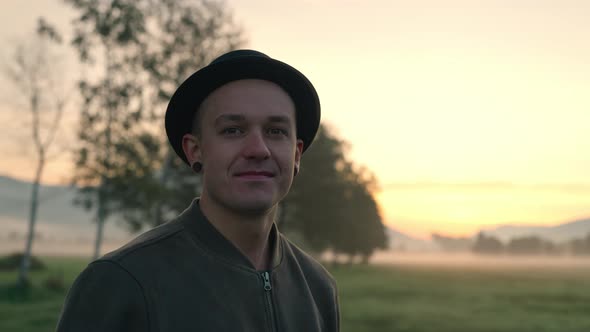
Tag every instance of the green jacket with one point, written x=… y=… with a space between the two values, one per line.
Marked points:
x=185 y=276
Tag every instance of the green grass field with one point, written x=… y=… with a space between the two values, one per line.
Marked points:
x=435 y=298
x=385 y=298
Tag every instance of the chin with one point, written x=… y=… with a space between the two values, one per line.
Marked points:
x=247 y=202
x=255 y=206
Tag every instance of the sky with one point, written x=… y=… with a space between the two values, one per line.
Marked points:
x=469 y=113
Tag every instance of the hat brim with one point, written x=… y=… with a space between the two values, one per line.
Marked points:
x=190 y=94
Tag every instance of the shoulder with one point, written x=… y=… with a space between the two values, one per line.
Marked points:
x=104 y=297
x=101 y=275
x=151 y=252
x=116 y=269
x=321 y=283
x=310 y=267
x=152 y=241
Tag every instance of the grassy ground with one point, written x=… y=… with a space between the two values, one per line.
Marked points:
x=385 y=298
x=438 y=298
x=37 y=309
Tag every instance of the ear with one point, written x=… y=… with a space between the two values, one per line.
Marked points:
x=191 y=146
x=298 y=152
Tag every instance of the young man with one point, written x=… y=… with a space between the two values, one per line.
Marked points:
x=243 y=122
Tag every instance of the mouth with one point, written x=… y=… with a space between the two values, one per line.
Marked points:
x=254 y=175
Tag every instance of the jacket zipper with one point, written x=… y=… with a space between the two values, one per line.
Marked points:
x=267 y=286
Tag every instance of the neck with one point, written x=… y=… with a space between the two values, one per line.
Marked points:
x=249 y=233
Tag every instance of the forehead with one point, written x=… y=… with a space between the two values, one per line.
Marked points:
x=250 y=98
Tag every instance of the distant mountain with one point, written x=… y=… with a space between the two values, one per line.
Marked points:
x=402 y=242
x=57 y=216
x=55 y=202
x=560 y=233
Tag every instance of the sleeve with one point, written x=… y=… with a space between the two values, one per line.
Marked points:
x=337 y=305
x=335 y=309
x=104 y=297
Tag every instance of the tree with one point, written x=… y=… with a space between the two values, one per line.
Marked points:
x=149 y=47
x=452 y=244
x=107 y=32
x=487 y=245
x=580 y=246
x=530 y=245
x=360 y=231
x=34 y=72
x=312 y=207
x=183 y=36
x=331 y=204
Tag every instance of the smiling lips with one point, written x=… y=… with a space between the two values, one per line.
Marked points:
x=255 y=175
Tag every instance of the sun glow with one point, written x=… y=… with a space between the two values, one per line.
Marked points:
x=470 y=114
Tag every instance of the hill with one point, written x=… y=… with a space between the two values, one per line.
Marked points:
x=559 y=233
x=58 y=217
x=402 y=242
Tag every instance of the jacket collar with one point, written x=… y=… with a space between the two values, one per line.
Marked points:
x=213 y=241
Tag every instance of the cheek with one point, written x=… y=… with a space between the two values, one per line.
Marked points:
x=286 y=158
x=219 y=157
x=212 y=156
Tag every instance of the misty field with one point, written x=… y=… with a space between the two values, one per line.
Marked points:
x=399 y=297
x=464 y=298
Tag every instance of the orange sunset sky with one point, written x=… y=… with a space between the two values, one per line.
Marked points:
x=470 y=113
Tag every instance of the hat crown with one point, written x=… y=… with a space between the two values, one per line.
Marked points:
x=239 y=54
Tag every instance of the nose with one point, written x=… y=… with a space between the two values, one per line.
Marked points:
x=255 y=146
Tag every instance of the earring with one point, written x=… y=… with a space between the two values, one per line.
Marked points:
x=197 y=167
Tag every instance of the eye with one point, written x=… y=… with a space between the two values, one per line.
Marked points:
x=232 y=131
x=277 y=132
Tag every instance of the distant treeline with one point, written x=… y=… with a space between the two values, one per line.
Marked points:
x=525 y=245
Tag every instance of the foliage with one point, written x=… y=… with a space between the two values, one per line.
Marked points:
x=452 y=244
x=182 y=37
x=55 y=282
x=144 y=49
x=107 y=32
x=530 y=245
x=331 y=203
x=487 y=245
x=580 y=246
x=12 y=262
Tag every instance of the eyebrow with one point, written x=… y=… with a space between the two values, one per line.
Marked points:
x=239 y=118
x=279 y=118
x=229 y=118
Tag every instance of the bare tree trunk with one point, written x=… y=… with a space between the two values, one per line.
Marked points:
x=100 y=220
x=27 y=72
x=166 y=168
x=101 y=208
x=99 y=235
x=23 y=276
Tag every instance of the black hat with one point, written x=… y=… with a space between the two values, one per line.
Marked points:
x=236 y=65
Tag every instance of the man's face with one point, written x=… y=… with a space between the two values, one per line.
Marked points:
x=248 y=146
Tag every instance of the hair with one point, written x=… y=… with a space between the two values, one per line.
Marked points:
x=196 y=126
